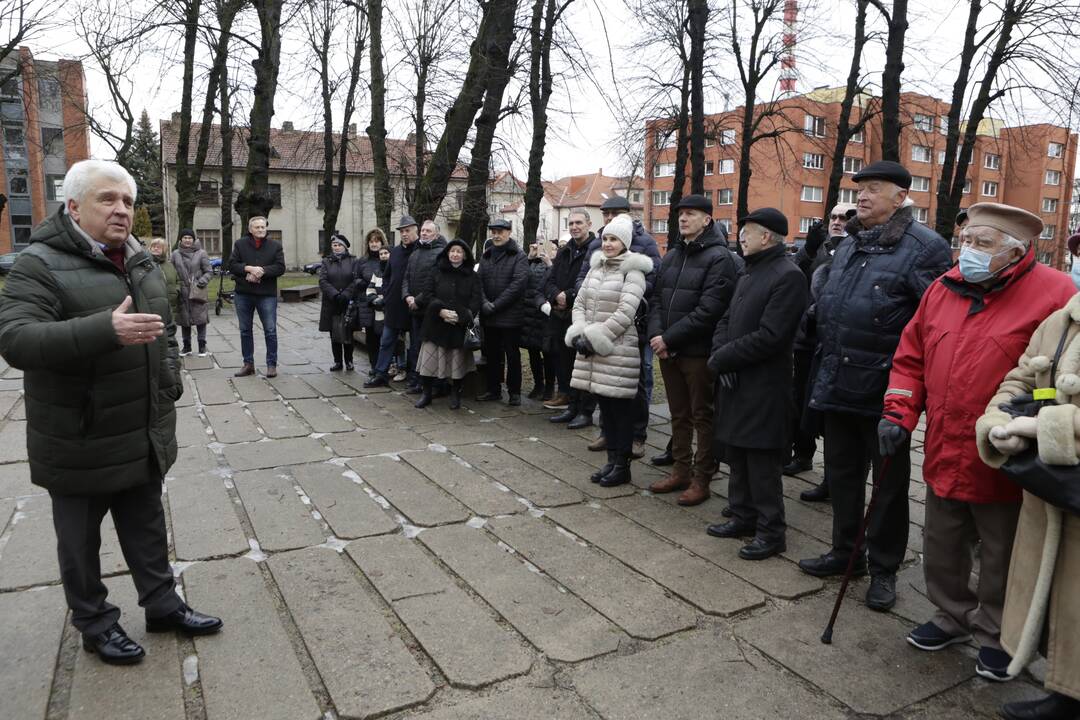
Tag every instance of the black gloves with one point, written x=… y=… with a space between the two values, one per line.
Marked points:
x=341 y=299
x=815 y=236
x=488 y=308
x=377 y=302
x=727 y=380
x=890 y=437
x=583 y=346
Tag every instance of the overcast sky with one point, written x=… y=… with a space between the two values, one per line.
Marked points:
x=580 y=143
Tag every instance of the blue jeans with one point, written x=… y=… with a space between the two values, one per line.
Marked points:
x=246 y=305
x=647 y=368
x=387 y=345
x=414 y=343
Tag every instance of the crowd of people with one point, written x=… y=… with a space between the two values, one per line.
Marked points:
x=869 y=327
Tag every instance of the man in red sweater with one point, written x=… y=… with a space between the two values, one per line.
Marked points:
x=970 y=329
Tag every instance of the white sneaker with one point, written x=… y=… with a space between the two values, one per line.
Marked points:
x=203 y=353
x=401 y=375
x=185 y=353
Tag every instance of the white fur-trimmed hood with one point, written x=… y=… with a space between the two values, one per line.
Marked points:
x=625 y=263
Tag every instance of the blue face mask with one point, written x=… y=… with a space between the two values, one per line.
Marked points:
x=975 y=264
x=1076 y=272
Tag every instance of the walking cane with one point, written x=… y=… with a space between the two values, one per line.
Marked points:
x=826 y=637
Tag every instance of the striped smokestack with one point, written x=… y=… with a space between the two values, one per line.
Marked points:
x=788 y=73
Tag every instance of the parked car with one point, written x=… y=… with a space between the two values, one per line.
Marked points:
x=216 y=266
x=7 y=261
x=313 y=268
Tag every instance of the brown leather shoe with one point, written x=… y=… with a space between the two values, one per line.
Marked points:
x=697 y=493
x=248 y=369
x=672 y=483
x=637 y=451
x=598 y=444
x=271 y=371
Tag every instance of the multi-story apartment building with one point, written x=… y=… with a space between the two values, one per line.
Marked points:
x=1030 y=166
x=43 y=113
x=295 y=182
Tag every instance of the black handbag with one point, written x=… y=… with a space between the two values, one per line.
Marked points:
x=473 y=340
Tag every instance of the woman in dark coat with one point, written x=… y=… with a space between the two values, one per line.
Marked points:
x=369 y=287
x=534 y=336
x=192 y=269
x=338 y=278
x=449 y=303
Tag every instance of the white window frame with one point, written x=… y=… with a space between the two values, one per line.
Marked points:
x=920 y=183
x=850 y=167
x=814 y=125
x=921 y=214
x=710 y=167
x=666 y=139
x=659 y=170
x=924 y=157
x=664 y=195
x=1048 y=232
x=709 y=141
x=925 y=123
x=849 y=196
x=727 y=137
x=857 y=137
x=805 y=223
x=1055 y=174
x=1049 y=205
x=726 y=167
x=986 y=185
x=813 y=161
x=720 y=195
x=1055 y=150
x=815 y=193
x=992 y=161
x=659 y=225
x=944 y=121
x=967 y=186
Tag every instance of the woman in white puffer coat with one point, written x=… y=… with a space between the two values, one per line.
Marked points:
x=603 y=333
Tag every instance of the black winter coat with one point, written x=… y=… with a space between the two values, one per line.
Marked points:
x=450 y=288
x=873 y=288
x=396 y=311
x=754 y=340
x=534 y=331
x=338 y=280
x=693 y=291
x=563 y=278
x=640 y=242
x=270 y=257
x=504 y=277
x=806 y=338
x=366 y=290
x=421 y=266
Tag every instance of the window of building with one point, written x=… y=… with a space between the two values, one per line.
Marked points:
x=661 y=197
x=709 y=167
x=943 y=124
x=967 y=186
x=54 y=187
x=52 y=141
x=992 y=161
x=207 y=195
x=14 y=143
x=805 y=223
x=921 y=153
x=727 y=167
x=321 y=200
x=663 y=169
x=665 y=139
x=849 y=196
x=1048 y=232
x=814 y=126
x=9 y=90
x=49 y=94
x=565 y=220
x=635 y=197
x=210 y=240
x=989 y=188
x=709 y=141
x=852 y=165
x=659 y=226
x=725 y=196
x=811 y=193
x=274 y=191
x=814 y=161
x=21 y=227
x=708 y=195
x=727 y=137
x=920 y=184
x=923 y=122
x=18 y=181
x=1053 y=177
x=1049 y=205
x=1055 y=150
x=856 y=137
x=920 y=214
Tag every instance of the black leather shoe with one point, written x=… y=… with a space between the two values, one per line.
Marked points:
x=881 y=595
x=758 y=549
x=441 y=390
x=581 y=421
x=414 y=390
x=727 y=512
x=1054 y=706
x=377 y=381
x=797 y=466
x=599 y=474
x=830 y=564
x=818 y=493
x=423 y=402
x=662 y=459
x=514 y=400
x=731 y=529
x=349 y=367
x=489 y=396
x=185 y=620
x=114 y=646
x=620 y=472
x=564 y=416
x=336 y=367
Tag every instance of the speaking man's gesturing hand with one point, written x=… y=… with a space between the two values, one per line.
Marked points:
x=136 y=328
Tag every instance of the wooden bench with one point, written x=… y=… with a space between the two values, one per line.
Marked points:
x=298 y=293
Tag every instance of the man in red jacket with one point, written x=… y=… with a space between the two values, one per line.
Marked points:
x=970 y=329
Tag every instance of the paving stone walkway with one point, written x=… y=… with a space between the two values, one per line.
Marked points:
x=374 y=560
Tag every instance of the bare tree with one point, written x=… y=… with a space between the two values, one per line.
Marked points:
x=854 y=90
x=20 y=22
x=376 y=129
x=896 y=18
x=697 y=19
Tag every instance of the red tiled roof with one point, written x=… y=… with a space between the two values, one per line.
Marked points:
x=297 y=150
x=584 y=190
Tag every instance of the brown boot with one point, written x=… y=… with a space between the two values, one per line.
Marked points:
x=672 y=483
x=598 y=444
x=697 y=493
x=248 y=369
x=271 y=371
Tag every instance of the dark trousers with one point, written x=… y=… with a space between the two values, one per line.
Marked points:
x=140 y=526
x=501 y=349
x=542 y=365
x=371 y=345
x=851 y=448
x=388 y=349
x=246 y=306
x=756 y=490
x=640 y=407
x=564 y=358
x=200 y=331
x=414 y=344
x=804 y=444
x=689 y=384
x=617 y=422
x=339 y=349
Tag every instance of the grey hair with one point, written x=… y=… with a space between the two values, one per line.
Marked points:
x=433 y=224
x=580 y=211
x=1010 y=242
x=908 y=201
x=81 y=176
x=775 y=238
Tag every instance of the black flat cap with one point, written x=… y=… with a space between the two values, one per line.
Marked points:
x=695 y=202
x=888 y=170
x=406 y=221
x=499 y=224
x=615 y=202
x=961 y=217
x=768 y=218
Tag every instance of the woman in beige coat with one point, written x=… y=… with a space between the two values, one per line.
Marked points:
x=604 y=335
x=1042 y=600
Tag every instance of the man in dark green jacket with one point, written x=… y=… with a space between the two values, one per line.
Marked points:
x=85 y=315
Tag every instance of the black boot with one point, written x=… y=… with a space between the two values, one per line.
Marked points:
x=425 y=396
x=1054 y=706
x=599 y=474
x=620 y=473
x=455 y=395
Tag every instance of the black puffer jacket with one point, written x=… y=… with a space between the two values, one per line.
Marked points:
x=270 y=256
x=100 y=415
x=450 y=288
x=504 y=276
x=563 y=278
x=806 y=338
x=396 y=312
x=534 y=330
x=875 y=282
x=338 y=280
x=640 y=242
x=366 y=289
x=421 y=266
x=693 y=291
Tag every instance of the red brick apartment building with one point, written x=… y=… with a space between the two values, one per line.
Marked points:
x=1030 y=166
x=43 y=113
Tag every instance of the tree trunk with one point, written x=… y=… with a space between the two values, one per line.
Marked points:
x=682 y=143
x=186 y=186
x=419 y=135
x=334 y=198
x=376 y=129
x=254 y=199
x=490 y=49
x=844 y=129
x=890 y=81
x=698 y=14
x=326 y=94
x=226 y=166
